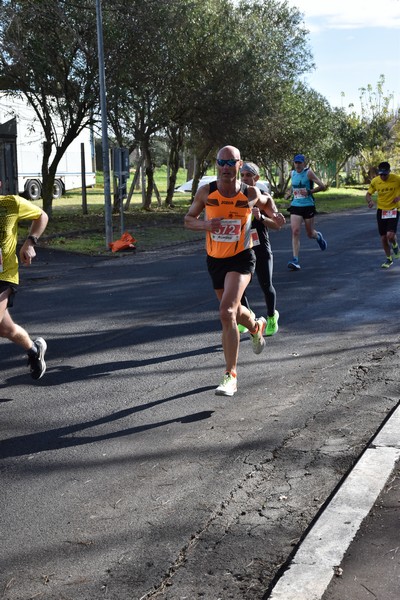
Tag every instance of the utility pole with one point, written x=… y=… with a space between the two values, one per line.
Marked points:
x=104 y=128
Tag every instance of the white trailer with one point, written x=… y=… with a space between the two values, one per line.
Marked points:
x=29 y=152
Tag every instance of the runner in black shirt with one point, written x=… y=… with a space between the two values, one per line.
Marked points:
x=249 y=173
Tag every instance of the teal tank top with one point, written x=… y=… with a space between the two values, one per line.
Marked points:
x=302 y=187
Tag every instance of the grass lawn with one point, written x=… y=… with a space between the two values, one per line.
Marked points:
x=71 y=230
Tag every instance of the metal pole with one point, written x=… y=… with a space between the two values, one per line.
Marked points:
x=104 y=128
x=83 y=177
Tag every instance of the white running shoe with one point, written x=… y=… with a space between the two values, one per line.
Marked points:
x=37 y=363
x=258 y=338
x=228 y=385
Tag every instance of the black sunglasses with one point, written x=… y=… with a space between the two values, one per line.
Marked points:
x=231 y=162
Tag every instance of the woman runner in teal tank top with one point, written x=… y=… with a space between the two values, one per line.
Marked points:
x=302 y=207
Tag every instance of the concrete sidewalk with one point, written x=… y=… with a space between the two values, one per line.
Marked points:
x=371 y=565
x=351 y=551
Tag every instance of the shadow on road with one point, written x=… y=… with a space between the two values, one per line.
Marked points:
x=55 y=439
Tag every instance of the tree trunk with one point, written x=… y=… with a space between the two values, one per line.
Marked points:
x=48 y=176
x=49 y=169
x=190 y=167
x=157 y=193
x=201 y=165
x=338 y=168
x=47 y=193
x=134 y=183
x=149 y=174
x=176 y=138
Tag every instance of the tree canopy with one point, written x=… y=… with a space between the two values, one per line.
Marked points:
x=47 y=54
x=200 y=73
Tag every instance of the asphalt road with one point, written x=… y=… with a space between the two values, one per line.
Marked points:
x=124 y=477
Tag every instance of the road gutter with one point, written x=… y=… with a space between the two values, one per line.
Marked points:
x=323 y=548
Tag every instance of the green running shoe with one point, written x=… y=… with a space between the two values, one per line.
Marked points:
x=396 y=251
x=388 y=263
x=242 y=328
x=272 y=324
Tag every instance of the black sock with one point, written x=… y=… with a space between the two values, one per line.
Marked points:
x=33 y=351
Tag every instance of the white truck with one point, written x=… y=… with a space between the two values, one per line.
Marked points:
x=21 y=160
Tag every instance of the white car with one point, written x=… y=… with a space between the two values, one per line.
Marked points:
x=265 y=186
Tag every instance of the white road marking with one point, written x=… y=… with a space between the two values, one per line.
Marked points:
x=312 y=567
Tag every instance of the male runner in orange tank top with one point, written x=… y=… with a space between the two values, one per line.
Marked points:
x=230 y=258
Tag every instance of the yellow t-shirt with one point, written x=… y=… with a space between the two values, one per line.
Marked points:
x=234 y=235
x=387 y=191
x=12 y=210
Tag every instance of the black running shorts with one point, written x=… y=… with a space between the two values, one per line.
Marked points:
x=307 y=212
x=6 y=285
x=244 y=263
x=385 y=225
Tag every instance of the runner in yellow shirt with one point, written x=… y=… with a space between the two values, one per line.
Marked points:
x=387 y=186
x=14 y=209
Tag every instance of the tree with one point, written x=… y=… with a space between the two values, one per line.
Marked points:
x=379 y=122
x=47 y=54
x=191 y=82
x=139 y=90
x=345 y=138
x=298 y=120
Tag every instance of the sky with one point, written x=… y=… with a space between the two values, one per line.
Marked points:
x=353 y=43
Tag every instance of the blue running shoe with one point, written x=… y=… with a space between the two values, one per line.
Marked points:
x=293 y=264
x=323 y=244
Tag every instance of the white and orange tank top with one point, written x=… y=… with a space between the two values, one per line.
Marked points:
x=234 y=235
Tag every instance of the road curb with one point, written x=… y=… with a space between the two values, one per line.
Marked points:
x=322 y=549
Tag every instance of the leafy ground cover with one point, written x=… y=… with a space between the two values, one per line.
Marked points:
x=71 y=230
